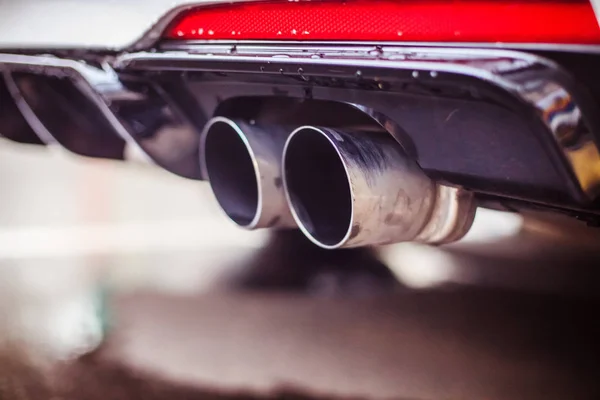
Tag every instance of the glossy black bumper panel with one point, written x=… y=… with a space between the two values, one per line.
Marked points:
x=494 y=121
x=59 y=101
x=90 y=111
x=13 y=125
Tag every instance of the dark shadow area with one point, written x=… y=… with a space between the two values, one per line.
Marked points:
x=231 y=173
x=12 y=124
x=91 y=378
x=69 y=115
x=318 y=186
x=290 y=261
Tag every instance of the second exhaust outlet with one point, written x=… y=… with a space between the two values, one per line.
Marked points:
x=242 y=162
x=350 y=188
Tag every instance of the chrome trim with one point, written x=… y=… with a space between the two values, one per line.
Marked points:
x=93 y=82
x=532 y=80
x=191 y=45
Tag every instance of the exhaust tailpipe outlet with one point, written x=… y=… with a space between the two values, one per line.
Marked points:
x=242 y=162
x=350 y=189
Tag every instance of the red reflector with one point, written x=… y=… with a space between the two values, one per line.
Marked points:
x=523 y=21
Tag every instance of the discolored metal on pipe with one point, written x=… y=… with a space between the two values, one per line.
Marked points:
x=242 y=162
x=350 y=189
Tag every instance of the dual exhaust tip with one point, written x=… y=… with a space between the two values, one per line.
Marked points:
x=342 y=188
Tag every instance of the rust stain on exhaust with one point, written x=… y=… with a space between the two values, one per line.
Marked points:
x=355 y=231
x=273 y=221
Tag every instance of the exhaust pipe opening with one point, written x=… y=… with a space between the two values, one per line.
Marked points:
x=243 y=165
x=231 y=172
x=317 y=187
x=354 y=188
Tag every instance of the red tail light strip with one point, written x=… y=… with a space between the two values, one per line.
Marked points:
x=485 y=21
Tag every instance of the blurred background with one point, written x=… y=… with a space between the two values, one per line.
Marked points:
x=88 y=23
x=142 y=265
x=140 y=270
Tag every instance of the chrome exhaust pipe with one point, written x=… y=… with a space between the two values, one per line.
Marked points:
x=350 y=189
x=242 y=162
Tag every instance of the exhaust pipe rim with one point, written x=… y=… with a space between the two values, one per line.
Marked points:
x=293 y=205
x=252 y=224
x=385 y=199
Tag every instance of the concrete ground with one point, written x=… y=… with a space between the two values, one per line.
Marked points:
x=507 y=313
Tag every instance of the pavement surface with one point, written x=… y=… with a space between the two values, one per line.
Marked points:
x=198 y=308
x=459 y=344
